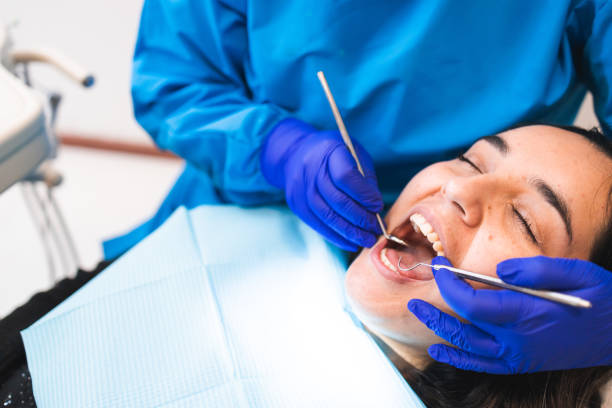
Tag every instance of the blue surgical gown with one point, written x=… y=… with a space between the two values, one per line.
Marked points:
x=416 y=81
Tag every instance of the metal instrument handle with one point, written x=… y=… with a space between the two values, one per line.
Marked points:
x=544 y=294
x=349 y=144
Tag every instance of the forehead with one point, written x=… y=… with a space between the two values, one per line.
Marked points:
x=571 y=165
x=561 y=154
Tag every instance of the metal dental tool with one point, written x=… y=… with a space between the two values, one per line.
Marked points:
x=349 y=145
x=544 y=294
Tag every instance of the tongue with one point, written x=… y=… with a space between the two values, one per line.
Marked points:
x=411 y=256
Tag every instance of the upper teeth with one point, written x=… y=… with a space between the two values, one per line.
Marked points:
x=420 y=224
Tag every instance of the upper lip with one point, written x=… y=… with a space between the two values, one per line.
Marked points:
x=431 y=219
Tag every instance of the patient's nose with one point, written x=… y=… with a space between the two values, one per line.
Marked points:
x=467 y=195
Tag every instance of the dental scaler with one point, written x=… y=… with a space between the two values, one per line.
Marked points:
x=347 y=141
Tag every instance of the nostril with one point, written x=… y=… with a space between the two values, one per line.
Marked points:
x=459 y=207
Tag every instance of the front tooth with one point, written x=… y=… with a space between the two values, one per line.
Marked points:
x=419 y=223
x=386 y=261
x=426 y=228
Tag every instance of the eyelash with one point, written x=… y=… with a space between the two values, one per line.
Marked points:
x=462 y=158
x=526 y=225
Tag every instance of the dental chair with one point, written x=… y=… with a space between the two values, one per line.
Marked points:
x=28 y=145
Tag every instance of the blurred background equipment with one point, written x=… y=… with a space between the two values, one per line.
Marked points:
x=28 y=144
x=112 y=175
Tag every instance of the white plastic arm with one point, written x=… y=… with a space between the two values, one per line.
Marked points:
x=53 y=57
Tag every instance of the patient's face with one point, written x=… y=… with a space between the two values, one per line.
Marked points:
x=498 y=204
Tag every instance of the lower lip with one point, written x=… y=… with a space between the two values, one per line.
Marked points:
x=387 y=273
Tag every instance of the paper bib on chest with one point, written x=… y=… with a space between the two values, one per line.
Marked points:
x=220 y=307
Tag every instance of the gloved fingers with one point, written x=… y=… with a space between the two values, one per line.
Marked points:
x=482 y=305
x=301 y=208
x=440 y=260
x=541 y=272
x=465 y=336
x=468 y=361
x=344 y=205
x=332 y=220
x=345 y=176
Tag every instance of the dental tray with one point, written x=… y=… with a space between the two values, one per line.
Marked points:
x=24 y=142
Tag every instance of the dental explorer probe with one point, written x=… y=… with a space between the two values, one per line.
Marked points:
x=569 y=300
x=349 y=145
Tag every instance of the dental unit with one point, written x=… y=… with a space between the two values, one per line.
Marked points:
x=28 y=144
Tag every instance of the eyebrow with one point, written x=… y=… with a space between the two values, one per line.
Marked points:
x=551 y=197
x=497 y=142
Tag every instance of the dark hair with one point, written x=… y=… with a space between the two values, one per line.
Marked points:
x=441 y=385
x=444 y=386
x=601 y=253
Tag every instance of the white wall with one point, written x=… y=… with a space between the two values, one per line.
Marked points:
x=100 y=34
x=586 y=116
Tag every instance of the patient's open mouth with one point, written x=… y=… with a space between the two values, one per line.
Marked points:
x=424 y=244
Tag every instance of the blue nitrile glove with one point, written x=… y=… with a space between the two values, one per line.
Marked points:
x=516 y=333
x=322 y=184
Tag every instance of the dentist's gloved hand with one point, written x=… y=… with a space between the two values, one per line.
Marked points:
x=512 y=332
x=322 y=184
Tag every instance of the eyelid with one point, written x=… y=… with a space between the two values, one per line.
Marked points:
x=463 y=158
x=526 y=226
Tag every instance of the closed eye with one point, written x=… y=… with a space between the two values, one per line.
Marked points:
x=526 y=226
x=462 y=158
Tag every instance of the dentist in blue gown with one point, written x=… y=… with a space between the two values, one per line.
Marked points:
x=231 y=87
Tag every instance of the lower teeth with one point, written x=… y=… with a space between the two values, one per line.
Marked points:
x=386 y=261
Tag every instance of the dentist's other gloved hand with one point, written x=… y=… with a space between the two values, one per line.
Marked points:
x=322 y=184
x=512 y=332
